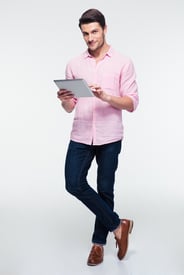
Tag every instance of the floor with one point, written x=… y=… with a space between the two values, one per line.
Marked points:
x=44 y=241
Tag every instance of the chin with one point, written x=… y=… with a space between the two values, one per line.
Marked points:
x=93 y=49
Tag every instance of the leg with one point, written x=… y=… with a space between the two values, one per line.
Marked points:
x=107 y=160
x=78 y=162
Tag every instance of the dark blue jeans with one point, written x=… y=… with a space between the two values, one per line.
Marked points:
x=101 y=202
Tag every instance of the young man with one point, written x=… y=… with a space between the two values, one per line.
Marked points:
x=97 y=130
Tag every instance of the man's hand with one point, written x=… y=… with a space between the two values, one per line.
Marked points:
x=121 y=103
x=98 y=92
x=67 y=100
x=65 y=95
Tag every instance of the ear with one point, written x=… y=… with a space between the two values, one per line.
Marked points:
x=105 y=29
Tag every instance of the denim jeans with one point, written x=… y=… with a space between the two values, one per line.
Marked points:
x=100 y=201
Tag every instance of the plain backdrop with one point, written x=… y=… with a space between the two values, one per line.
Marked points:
x=42 y=228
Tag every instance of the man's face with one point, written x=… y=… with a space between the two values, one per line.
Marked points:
x=93 y=35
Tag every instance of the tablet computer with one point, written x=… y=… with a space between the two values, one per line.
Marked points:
x=78 y=87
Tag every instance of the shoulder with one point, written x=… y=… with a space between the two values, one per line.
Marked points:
x=125 y=59
x=76 y=59
x=74 y=65
x=120 y=60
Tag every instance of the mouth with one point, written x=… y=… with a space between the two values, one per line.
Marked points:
x=91 y=44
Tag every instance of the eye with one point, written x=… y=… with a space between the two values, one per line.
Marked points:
x=84 y=34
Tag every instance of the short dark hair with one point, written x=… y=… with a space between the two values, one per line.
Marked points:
x=92 y=15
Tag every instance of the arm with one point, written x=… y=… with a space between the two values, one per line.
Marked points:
x=128 y=99
x=122 y=103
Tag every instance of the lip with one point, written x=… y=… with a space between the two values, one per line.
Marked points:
x=91 y=44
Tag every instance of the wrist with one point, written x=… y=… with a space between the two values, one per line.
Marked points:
x=107 y=98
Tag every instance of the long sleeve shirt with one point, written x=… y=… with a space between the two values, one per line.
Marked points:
x=95 y=121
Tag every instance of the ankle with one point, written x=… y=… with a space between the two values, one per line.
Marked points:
x=97 y=244
x=117 y=232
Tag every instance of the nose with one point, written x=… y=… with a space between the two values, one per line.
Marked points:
x=90 y=37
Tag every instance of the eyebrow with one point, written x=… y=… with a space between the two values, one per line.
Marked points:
x=94 y=30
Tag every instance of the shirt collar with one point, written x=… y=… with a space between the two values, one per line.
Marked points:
x=108 y=53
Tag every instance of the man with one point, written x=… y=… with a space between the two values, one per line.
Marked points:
x=97 y=130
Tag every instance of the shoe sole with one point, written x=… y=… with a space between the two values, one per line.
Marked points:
x=94 y=264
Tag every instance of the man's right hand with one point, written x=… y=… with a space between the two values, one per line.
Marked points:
x=66 y=99
x=65 y=95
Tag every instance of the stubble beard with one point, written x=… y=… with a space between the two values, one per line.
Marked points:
x=98 y=48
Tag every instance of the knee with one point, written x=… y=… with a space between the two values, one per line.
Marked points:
x=72 y=188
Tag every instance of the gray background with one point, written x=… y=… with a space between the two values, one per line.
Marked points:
x=44 y=230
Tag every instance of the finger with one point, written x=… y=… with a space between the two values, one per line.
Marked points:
x=64 y=93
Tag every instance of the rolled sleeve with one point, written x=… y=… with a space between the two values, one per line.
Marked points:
x=128 y=83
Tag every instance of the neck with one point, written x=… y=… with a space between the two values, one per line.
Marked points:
x=100 y=53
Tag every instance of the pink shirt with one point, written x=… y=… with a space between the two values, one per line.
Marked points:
x=96 y=122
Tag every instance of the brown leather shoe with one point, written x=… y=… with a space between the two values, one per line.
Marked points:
x=122 y=243
x=96 y=255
